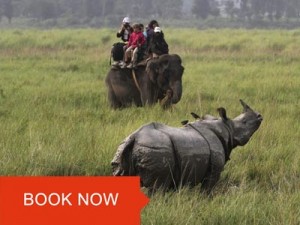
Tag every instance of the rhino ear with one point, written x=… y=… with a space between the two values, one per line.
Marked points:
x=184 y=122
x=196 y=116
x=245 y=106
x=222 y=113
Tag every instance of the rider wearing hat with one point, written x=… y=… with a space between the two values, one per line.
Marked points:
x=158 y=44
x=125 y=30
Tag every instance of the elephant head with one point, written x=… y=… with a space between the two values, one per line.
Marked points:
x=165 y=75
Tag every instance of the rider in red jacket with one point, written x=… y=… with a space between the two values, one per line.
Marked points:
x=136 y=40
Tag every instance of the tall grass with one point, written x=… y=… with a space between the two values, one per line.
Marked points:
x=55 y=118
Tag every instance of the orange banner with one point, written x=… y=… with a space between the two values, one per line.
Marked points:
x=70 y=200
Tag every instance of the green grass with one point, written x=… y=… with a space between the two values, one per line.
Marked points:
x=55 y=118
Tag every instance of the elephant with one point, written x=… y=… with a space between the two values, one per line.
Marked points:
x=169 y=157
x=158 y=80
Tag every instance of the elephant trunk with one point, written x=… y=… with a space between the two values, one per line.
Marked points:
x=176 y=92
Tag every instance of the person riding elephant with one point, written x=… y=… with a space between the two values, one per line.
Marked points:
x=159 y=81
x=136 y=41
x=117 y=51
x=158 y=44
x=125 y=30
x=149 y=34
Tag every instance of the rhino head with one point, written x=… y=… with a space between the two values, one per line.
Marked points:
x=242 y=126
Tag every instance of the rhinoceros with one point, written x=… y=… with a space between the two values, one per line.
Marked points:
x=170 y=157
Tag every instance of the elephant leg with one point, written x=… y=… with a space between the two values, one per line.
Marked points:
x=113 y=100
x=138 y=101
x=143 y=98
x=148 y=97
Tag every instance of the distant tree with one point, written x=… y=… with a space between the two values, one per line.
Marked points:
x=258 y=8
x=280 y=7
x=174 y=9
x=214 y=8
x=41 y=9
x=269 y=9
x=6 y=9
x=107 y=7
x=230 y=9
x=1 y=10
x=147 y=8
x=168 y=9
x=201 y=8
x=295 y=4
x=142 y=8
x=73 y=7
x=113 y=11
x=275 y=9
x=92 y=8
x=98 y=8
x=245 y=11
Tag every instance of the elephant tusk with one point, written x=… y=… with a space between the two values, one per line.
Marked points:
x=135 y=81
x=166 y=100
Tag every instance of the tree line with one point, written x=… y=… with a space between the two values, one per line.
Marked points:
x=109 y=12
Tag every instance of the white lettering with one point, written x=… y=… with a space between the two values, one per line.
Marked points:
x=96 y=199
x=55 y=199
x=51 y=202
x=112 y=198
x=28 y=199
x=94 y=203
x=85 y=200
x=41 y=199
x=66 y=199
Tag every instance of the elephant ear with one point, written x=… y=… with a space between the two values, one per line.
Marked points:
x=156 y=68
x=163 y=63
x=152 y=70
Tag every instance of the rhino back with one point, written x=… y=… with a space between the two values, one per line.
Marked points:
x=196 y=149
x=153 y=154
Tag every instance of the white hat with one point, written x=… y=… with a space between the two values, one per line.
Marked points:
x=157 y=30
x=126 y=20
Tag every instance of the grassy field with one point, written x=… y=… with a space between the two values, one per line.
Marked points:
x=55 y=118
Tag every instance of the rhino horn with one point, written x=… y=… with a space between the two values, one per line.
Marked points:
x=222 y=113
x=246 y=107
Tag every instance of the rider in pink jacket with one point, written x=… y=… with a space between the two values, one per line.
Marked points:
x=136 y=40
